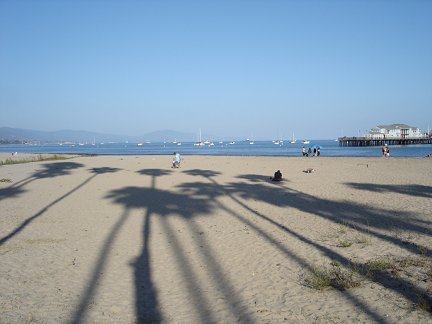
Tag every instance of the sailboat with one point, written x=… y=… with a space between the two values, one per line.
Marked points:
x=200 y=142
x=305 y=142
x=251 y=140
x=279 y=141
x=293 y=141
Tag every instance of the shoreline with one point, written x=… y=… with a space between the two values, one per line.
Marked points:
x=22 y=155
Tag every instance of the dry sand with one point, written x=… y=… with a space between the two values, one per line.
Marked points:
x=123 y=239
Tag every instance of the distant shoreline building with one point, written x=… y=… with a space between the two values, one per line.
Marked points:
x=399 y=131
x=394 y=134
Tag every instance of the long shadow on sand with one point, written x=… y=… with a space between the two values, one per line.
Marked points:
x=49 y=170
x=163 y=205
x=411 y=190
x=64 y=169
x=285 y=197
x=203 y=199
x=360 y=217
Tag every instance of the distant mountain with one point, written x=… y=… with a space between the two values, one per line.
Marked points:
x=18 y=134
x=26 y=135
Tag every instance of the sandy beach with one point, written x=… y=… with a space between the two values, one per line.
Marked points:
x=125 y=239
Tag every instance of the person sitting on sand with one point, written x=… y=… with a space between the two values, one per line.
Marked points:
x=176 y=160
x=277 y=176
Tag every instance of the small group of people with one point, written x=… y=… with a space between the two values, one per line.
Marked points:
x=385 y=150
x=308 y=152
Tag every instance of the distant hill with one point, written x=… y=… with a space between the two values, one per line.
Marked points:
x=8 y=134
x=13 y=134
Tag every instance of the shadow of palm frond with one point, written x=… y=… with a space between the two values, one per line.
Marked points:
x=103 y=170
x=49 y=170
x=160 y=203
x=214 y=190
x=257 y=178
x=412 y=190
x=10 y=192
x=154 y=172
x=202 y=173
x=56 y=169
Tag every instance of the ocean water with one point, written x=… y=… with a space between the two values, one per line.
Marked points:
x=242 y=148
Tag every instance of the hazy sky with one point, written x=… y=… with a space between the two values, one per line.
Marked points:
x=320 y=69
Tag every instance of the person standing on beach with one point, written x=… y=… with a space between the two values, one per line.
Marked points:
x=309 y=151
x=304 y=151
x=318 y=151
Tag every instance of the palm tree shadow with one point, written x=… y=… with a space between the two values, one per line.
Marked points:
x=215 y=190
x=412 y=190
x=49 y=170
x=10 y=192
x=56 y=169
x=202 y=173
x=364 y=218
x=154 y=172
x=256 y=178
x=162 y=204
x=339 y=212
x=103 y=170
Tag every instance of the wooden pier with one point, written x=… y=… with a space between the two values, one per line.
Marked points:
x=363 y=141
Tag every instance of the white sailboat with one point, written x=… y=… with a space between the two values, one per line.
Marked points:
x=279 y=141
x=251 y=140
x=305 y=142
x=293 y=141
x=200 y=142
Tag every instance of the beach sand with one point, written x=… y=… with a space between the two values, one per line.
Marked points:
x=124 y=239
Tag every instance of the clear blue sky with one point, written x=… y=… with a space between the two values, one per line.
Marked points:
x=255 y=68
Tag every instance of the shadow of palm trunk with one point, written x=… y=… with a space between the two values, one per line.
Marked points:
x=43 y=210
x=234 y=301
x=146 y=303
x=398 y=285
x=198 y=299
x=90 y=291
x=275 y=244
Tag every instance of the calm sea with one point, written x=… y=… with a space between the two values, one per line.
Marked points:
x=242 y=148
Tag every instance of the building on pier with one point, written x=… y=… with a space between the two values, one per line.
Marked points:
x=394 y=131
x=395 y=134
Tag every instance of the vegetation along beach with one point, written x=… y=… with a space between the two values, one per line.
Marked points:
x=129 y=239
